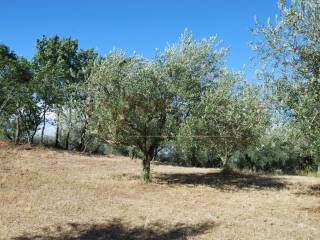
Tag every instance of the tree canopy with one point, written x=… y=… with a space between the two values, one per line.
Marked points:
x=183 y=105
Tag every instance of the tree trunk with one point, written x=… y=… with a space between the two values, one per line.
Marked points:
x=67 y=140
x=44 y=125
x=17 y=135
x=57 y=129
x=82 y=136
x=226 y=161
x=34 y=132
x=194 y=157
x=69 y=126
x=81 y=143
x=146 y=169
x=32 y=137
x=29 y=137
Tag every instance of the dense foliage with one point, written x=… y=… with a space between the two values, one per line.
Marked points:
x=290 y=52
x=182 y=106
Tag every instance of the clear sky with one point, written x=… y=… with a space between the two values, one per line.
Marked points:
x=140 y=25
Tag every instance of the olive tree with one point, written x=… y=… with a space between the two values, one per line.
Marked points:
x=290 y=51
x=191 y=66
x=228 y=118
x=142 y=102
x=131 y=103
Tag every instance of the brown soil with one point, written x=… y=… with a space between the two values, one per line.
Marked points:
x=50 y=194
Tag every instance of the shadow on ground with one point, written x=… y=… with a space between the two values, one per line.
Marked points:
x=227 y=181
x=116 y=230
x=313 y=190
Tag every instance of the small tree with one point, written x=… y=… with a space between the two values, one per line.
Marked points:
x=131 y=104
x=228 y=118
x=141 y=103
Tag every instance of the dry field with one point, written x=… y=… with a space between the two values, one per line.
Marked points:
x=50 y=194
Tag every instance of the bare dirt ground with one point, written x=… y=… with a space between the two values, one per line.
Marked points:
x=50 y=194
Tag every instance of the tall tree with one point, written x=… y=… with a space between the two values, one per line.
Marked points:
x=76 y=114
x=55 y=66
x=290 y=49
x=18 y=105
x=8 y=62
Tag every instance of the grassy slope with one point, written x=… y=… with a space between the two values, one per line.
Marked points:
x=49 y=194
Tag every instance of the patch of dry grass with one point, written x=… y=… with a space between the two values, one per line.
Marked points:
x=51 y=194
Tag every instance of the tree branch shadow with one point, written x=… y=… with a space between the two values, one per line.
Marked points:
x=313 y=190
x=116 y=230
x=225 y=181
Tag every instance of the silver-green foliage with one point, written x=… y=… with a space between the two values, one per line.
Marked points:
x=228 y=118
x=142 y=102
x=131 y=103
x=290 y=50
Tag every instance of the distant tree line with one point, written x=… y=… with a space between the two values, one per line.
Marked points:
x=183 y=105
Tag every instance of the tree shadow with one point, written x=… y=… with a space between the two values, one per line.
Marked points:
x=315 y=210
x=226 y=181
x=313 y=190
x=116 y=230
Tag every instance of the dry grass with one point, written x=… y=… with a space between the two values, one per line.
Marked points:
x=49 y=194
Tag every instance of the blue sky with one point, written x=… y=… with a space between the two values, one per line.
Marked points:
x=140 y=25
